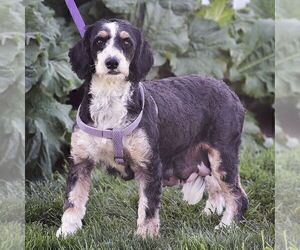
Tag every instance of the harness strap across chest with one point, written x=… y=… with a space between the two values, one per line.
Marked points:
x=115 y=134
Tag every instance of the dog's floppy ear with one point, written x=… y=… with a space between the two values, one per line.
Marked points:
x=80 y=57
x=142 y=60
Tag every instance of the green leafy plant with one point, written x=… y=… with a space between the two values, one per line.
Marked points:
x=287 y=73
x=11 y=90
x=49 y=79
x=253 y=59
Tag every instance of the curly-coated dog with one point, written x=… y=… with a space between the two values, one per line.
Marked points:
x=189 y=133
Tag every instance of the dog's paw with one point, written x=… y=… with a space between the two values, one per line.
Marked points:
x=225 y=225
x=150 y=229
x=68 y=229
x=141 y=231
x=220 y=226
x=215 y=205
x=59 y=233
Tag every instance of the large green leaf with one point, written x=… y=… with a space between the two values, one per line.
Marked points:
x=47 y=122
x=263 y=8
x=58 y=77
x=121 y=7
x=40 y=19
x=287 y=58
x=12 y=131
x=11 y=43
x=180 y=7
x=166 y=40
x=129 y=7
x=46 y=53
x=36 y=63
x=253 y=59
x=93 y=10
x=219 y=11
x=12 y=17
x=287 y=9
x=11 y=59
x=206 y=51
x=12 y=90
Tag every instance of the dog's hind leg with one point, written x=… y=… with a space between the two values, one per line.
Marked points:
x=236 y=201
x=216 y=201
x=223 y=185
x=78 y=185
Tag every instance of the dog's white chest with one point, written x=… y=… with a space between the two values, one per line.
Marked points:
x=108 y=105
x=108 y=113
x=108 y=110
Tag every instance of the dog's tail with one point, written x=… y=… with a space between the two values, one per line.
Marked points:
x=193 y=190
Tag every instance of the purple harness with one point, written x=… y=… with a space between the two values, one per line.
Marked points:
x=116 y=134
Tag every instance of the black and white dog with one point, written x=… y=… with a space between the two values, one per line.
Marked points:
x=190 y=124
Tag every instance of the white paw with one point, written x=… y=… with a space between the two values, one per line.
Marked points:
x=59 y=233
x=207 y=210
x=215 y=205
x=150 y=229
x=68 y=229
x=222 y=225
x=141 y=231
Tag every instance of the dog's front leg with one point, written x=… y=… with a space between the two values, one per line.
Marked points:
x=149 y=202
x=78 y=185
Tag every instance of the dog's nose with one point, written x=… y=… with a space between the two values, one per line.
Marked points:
x=112 y=63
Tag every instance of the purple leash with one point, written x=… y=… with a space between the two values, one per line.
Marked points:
x=76 y=16
x=116 y=134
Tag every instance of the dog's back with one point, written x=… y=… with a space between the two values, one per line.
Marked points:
x=191 y=109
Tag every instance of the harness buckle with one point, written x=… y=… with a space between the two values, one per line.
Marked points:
x=119 y=160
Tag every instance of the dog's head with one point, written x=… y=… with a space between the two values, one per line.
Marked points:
x=113 y=49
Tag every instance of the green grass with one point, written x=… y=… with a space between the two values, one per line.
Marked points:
x=12 y=233
x=288 y=199
x=110 y=222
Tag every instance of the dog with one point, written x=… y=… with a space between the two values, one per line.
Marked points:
x=189 y=134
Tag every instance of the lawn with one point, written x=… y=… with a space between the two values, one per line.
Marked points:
x=110 y=222
x=288 y=199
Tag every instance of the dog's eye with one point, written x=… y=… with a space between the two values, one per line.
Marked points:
x=127 y=42
x=101 y=42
